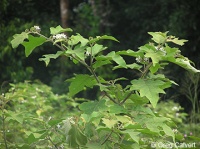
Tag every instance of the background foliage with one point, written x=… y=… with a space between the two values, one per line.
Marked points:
x=127 y=21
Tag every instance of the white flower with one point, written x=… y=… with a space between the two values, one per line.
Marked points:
x=175 y=130
x=175 y=108
x=37 y=27
x=58 y=126
x=59 y=36
x=162 y=50
x=138 y=59
x=87 y=53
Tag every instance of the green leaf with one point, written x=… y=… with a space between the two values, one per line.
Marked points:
x=102 y=38
x=74 y=39
x=184 y=63
x=168 y=131
x=177 y=41
x=110 y=123
x=133 y=135
x=154 y=68
x=149 y=89
x=76 y=137
x=117 y=58
x=15 y=116
x=100 y=63
x=32 y=44
x=117 y=109
x=47 y=57
x=155 y=56
x=59 y=29
x=94 y=50
x=130 y=53
x=158 y=37
x=78 y=51
x=18 y=39
x=54 y=122
x=79 y=82
x=91 y=106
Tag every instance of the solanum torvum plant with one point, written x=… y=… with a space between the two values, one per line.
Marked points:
x=120 y=117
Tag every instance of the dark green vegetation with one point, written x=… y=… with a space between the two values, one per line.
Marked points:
x=129 y=23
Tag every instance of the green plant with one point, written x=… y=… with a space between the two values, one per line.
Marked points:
x=120 y=117
x=30 y=115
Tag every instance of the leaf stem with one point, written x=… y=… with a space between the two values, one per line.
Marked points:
x=108 y=136
x=123 y=101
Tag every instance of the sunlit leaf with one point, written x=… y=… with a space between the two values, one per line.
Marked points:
x=32 y=44
x=177 y=41
x=19 y=39
x=47 y=57
x=185 y=63
x=158 y=37
x=76 y=137
x=91 y=106
x=74 y=39
x=149 y=89
x=59 y=29
x=79 y=82
x=102 y=38
x=110 y=123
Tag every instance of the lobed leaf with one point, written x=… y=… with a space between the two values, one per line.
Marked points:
x=18 y=39
x=59 y=29
x=47 y=57
x=32 y=44
x=79 y=82
x=148 y=88
x=158 y=37
x=94 y=40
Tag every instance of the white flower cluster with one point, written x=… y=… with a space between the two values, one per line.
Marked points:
x=140 y=59
x=162 y=50
x=37 y=28
x=175 y=108
x=60 y=36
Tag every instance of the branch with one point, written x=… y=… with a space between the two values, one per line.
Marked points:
x=123 y=101
x=108 y=136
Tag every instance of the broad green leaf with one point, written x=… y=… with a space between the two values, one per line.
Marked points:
x=130 y=53
x=74 y=39
x=117 y=58
x=132 y=134
x=131 y=66
x=76 y=137
x=100 y=63
x=19 y=39
x=94 y=50
x=154 y=68
x=158 y=37
x=90 y=117
x=94 y=145
x=184 y=63
x=78 y=51
x=54 y=122
x=102 y=38
x=117 y=109
x=33 y=137
x=168 y=131
x=91 y=106
x=79 y=82
x=16 y=117
x=149 y=89
x=59 y=29
x=110 y=123
x=32 y=44
x=47 y=57
x=155 y=56
x=177 y=41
